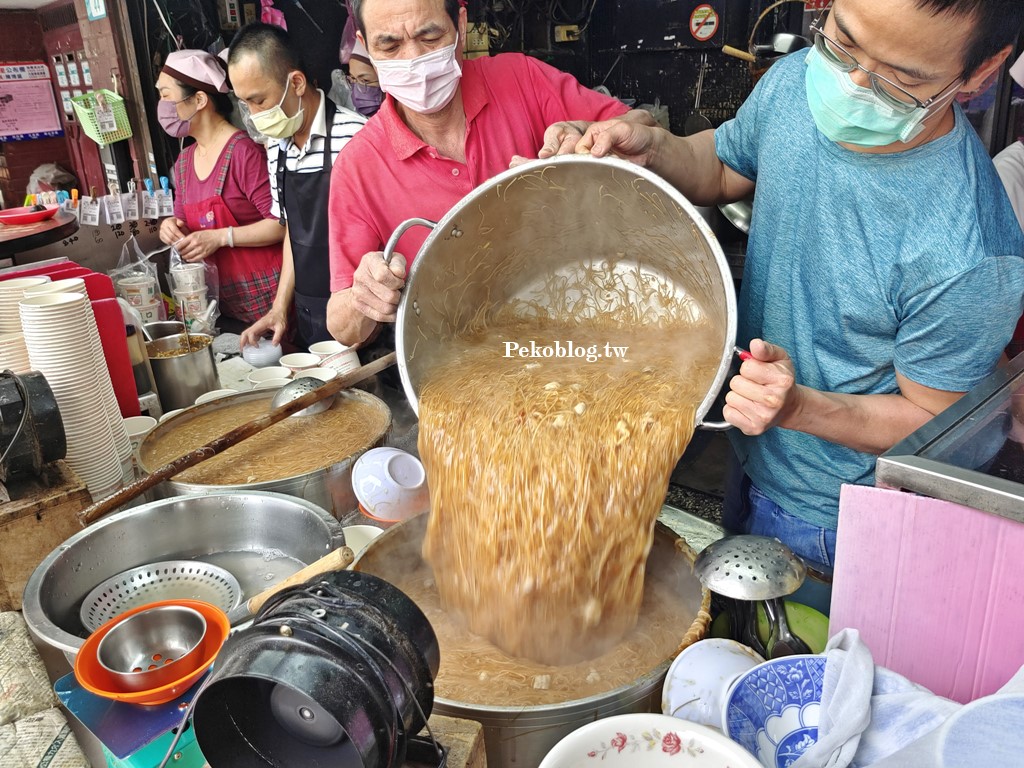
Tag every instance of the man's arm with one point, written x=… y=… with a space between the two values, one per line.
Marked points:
x=354 y=313
x=765 y=395
x=276 y=319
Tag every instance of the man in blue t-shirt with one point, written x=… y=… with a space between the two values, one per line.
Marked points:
x=885 y=269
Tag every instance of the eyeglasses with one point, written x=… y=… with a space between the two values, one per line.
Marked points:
x=889 y=92
x=362 y=80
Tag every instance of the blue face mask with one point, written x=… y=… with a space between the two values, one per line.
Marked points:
x=845 y=112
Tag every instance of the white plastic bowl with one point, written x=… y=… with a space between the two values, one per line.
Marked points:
x=700 y=677
x=390 y=485
x=214 y=395
x=358 y=536
x=323 y=374
x=271 y=384
x=264 y=354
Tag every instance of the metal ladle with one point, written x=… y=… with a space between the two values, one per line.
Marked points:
x=781 y=640
x=295 y=389
x=747 y=569
x=697 y=122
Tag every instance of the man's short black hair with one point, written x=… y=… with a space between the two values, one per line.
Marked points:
x=996 y=24
x=272 y=48
x=451 y=7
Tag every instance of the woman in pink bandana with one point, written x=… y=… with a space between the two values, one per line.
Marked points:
x=222 y=202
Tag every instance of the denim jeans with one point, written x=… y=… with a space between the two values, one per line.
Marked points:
x=747 y=510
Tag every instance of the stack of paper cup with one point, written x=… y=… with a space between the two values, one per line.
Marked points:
x=108 y=398
x=141 y=292
x=63 y=344
x=188 y=285
x=13 y=353
x=11 y=292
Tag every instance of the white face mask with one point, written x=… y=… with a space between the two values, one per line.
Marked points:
x=274 y=122
x=426 y=84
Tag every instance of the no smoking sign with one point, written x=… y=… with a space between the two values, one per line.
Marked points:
x=704 y=22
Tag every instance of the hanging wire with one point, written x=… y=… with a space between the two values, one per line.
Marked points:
x=175 y=38
x=24 y=411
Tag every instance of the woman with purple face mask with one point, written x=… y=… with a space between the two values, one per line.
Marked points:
x=362 y=77
x=222 y=199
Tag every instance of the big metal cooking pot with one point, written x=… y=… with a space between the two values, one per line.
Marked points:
x=327 y=486
x=250 y=534
x=514 y=232
x=184 y=377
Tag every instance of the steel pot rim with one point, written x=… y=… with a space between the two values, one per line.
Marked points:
x=444 y=225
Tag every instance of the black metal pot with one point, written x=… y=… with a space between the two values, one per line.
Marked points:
x=335 y=673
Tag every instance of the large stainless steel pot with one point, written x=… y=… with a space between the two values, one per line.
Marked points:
x=520 y=737
x=329 y=487
x=194 y=527
x=512 y=233
x=182 y=378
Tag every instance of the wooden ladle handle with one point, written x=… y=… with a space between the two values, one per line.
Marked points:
x=340 y=558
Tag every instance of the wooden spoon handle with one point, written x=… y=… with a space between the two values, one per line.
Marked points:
x=340 y=558
x=238 y=434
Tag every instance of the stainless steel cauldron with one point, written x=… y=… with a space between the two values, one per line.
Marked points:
x=528 y=223
x=522 y=736
x=291 y=530
x=329 y=487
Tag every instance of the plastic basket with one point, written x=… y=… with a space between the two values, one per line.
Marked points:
x=85 y=108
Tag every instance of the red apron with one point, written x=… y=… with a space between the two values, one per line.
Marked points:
x=247 y=275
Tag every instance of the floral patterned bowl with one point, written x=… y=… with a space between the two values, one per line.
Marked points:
x=647 y=741
x=773 y=710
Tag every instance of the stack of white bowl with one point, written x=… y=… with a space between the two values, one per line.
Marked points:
x=121 y=438
x=63 y=344
x=11 y=292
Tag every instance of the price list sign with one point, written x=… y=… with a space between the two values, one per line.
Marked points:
x=28 y=109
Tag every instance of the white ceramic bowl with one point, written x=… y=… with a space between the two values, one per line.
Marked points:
x=644 y=740
x=271 y=384
x=272 y=372
x=299 y=361
x=390 y=485
x=773 y=710
x=214 y=394
x=700 y=677
x=323 y=374
x=358 y=536
x=265 y=353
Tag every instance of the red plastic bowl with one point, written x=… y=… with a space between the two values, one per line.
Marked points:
x=92 y=676
x=27 y=215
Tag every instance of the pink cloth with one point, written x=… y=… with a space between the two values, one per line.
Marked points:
x=199 y=69
x=386 y=174
x=246 y=188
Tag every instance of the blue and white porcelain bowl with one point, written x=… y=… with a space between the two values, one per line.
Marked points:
x=773 y=710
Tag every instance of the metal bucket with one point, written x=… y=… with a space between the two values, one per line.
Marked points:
x=522 y=736
x=190 y=528
x=329 y=487
x=516 y=231
x=182 y=378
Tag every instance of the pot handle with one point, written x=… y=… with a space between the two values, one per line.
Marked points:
x=389 y=249
x=723 y=426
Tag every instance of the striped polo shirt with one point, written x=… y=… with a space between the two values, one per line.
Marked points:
x=309 y=159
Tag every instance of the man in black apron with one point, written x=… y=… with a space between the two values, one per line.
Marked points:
x=307 y=131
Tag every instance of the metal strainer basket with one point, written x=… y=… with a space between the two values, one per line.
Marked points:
x=168 y=580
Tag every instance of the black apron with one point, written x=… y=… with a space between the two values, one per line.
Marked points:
x=304 y=200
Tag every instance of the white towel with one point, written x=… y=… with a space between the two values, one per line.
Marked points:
x=868 y=712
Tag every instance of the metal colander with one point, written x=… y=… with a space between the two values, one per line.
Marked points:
x=749 y=568
x=168 y=580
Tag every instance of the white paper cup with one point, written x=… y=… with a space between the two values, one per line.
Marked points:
x=190 y=304
x=138 y=290
x=344 y=362
x=189 y=277
x=137 y=428
x=325 y=348
x=299 y=361
x=150 y=312
x=323 y=374
x=273 y=372
x=271 y=384
x=169 y=414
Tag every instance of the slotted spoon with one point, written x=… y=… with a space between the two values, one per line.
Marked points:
x=750 y=568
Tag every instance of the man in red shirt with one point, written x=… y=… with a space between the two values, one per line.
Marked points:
x=446 y=126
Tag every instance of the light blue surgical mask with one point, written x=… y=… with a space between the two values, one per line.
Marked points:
x=847 y=113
